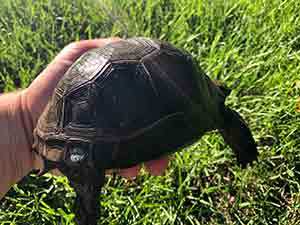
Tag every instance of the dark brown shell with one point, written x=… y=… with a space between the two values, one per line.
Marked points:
x=129 y=102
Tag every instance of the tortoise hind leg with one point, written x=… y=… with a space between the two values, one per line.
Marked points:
x=238 y=136
x=87 y=183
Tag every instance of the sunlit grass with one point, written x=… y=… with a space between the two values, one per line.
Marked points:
x=252 y=46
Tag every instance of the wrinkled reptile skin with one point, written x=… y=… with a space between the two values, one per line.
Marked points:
x=126 y=103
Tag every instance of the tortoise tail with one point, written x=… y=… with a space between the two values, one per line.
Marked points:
x=238 y=136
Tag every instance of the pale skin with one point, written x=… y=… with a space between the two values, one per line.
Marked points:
x=20 y=111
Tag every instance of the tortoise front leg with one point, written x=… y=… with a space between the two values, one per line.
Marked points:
x=87 y=183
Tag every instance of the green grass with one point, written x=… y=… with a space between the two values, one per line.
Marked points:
x=252 y=46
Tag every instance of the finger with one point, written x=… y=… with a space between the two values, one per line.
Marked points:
x=130 y=173
x=157 y=167
x=42 y=87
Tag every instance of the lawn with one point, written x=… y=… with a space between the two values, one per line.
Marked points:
x=251 y=45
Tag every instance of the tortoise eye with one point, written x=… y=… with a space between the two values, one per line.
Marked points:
x=77 y=152
x=77 y=155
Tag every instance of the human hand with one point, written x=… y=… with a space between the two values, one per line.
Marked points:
x=23 y=110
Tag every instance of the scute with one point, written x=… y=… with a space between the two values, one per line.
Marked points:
x=48 y=122
x=82 y=71
x=128 y=50
x=124 y=101
x=177 y=71
x=79 y=108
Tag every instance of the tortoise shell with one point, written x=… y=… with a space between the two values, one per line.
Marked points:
x=126 y=103
x=129 y=102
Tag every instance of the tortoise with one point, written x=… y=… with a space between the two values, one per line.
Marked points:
x=126 y=103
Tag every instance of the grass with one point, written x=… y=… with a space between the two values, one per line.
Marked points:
x=252 y=46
